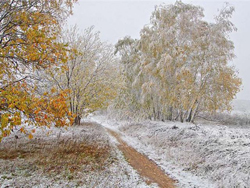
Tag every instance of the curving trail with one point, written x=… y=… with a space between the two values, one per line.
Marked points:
x=144 y=166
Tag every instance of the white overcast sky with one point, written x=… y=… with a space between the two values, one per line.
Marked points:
x=116 y=19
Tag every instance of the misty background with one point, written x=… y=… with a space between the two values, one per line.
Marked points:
x=117 y=19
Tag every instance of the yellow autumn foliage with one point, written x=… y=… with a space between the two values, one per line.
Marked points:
x=28 y=43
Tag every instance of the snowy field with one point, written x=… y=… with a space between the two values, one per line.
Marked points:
x=53 y=158
x=197 y=156
x=202 y=156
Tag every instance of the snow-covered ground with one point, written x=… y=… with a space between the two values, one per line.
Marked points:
x=203 y=156
x=23 y=171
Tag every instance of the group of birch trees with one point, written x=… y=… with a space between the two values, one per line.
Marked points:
x=179 y=66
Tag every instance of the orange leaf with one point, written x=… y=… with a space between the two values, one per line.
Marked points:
x=22 y=130
x=53 y=90
x=30 y=136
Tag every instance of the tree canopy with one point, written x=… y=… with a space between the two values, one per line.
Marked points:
x=180 y=65
x=91 y=74
x=28 y=40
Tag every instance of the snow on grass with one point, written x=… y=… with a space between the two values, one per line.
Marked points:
x=197 y=156
x=79 y=156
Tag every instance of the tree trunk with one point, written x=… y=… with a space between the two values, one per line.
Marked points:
x=154 y=113
x=77 y=120
x=170 y=113
x=189 y=115
x=177 y=116
x=181 y=116
x=195 y=112
x=159 y=115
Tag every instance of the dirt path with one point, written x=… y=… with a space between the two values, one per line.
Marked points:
x=144 y=166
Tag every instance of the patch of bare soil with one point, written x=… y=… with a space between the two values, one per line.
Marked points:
x=145 y=167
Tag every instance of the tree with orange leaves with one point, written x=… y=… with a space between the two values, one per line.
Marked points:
x=28 y=40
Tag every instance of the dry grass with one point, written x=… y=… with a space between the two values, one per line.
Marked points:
x=55 y=156
x=82 y=156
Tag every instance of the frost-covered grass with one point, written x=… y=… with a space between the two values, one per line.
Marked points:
x=235 y=118
x=238 y=117
x=81 y=156
x=197 y=156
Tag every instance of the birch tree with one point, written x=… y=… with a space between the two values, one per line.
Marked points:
x=91 y=72
x=183 y=62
